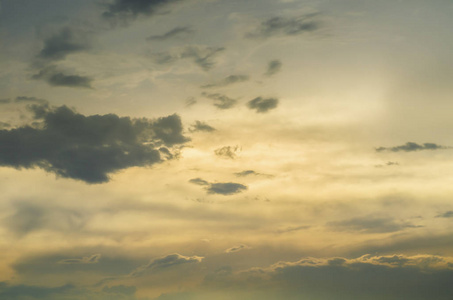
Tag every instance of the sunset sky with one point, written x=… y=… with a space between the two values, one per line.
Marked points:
x=226 y=149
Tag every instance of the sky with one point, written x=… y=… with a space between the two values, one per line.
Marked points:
x=212 y=149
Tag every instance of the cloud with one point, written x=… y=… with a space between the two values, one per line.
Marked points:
x=280 y=26
x=227 y=151
x=410 y=146
x=273 y=67
x=93 y=259
x=370 y=225
x=4 y=125
x=221 y=101
x=30 y=99
x=202 y=56
x=201 y=126
x=246 y=173
x=58 y=78
x=191 y=101
x=262 y=105
x=291 y=229
x=237 y=248
x=225 y=188
x=175 y=32
x=199 y=181
x=88 y=148
x=124 y=9
x=5 y=101
x=65 y=42
x=168 y=261
x=448 y=214
x=232 y=79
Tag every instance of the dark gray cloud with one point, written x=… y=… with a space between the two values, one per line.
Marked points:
x=30 y=99
x=370 y=225
x=448 y=214
x=175 y=32
x=262 y=105
x=57 y=78
x=202 y=56
x=237 y=248
x=201 y=126
x=227 y=151
x=280 y=26
x=410 y=146
x=5 y=100
x=65 y=42
x=124 y=9
x=224 y=188
x=168 y=261
x=92 y=259
x=221 y=101
x=88 y=148
x=232 y=79
x=273 y=67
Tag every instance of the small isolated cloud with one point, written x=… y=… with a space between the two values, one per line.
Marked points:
x=232 y=79
x=221 y=101
x=88 y=148
x=262 y=105
x=448 y=214
x=191 y=101
x=93 y=259
x=198 y=181
x=292 y=229
x=227 y=151
x=246 y=173
x=410 y=146
x=225 y=188
x=168 y=261
x=202 y=56
x=370 y=225
x=237 y=248
x=281 y=26
x=201 y=126
x=388 y=164
x=30 y=99
x=65 y=42
x=273 y=67
x=57 y=78
x=175 y=32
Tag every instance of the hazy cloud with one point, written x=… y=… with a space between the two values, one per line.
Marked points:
x=199 y=181
x=246 y=173
x=370 y=225
x=262 y=105
x=30 y=99
x=273 y=67
x=175 y=32
x=291 y=229
x=201 y=126
x=448 y=214
x=66 y=42
x=4 y=125
x=202 y=56
x=237 y=248
x=410 y=146
x=227 y=151
x=5 y=100
x=221 y=101
x=280 y=26
x=168 y=261
x=93 y=259
x=191 y=101
x=227 y=81
x=87 y=148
